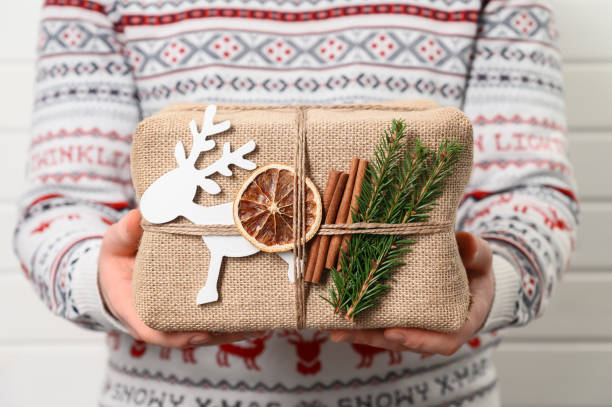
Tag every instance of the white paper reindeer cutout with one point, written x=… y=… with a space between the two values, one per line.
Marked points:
x=171 y=195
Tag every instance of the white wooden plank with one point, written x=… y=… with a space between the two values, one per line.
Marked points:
x=8 y=216
x=594 y=243
x=559 y=375
x=17 y=84
x=579 y=310
x=60 y=375
x=585 y=150
x=34 y=323
x=581 y=26
x=13 y=148
x=18 y=34
x=588 y=95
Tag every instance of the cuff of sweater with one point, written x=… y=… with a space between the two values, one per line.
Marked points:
x=86 y=291
x=507 y=284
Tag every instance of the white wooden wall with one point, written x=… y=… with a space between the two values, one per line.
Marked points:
x=563 y=359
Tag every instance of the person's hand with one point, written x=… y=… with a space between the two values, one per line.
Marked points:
x=115 y=265
x=478 y=260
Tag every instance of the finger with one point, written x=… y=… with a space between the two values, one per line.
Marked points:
x=431 y=342
x=175 y=340
x=482 y=288
x=123 y=309
x=123 y=237
x=466 y=244
x=373 y=337
x=167 y=339
x=424 y=341
x=220 y=339
x=475 y=252
x=140 y=331
x=186 y=339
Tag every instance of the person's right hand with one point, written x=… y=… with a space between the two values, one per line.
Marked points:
x=115 y=265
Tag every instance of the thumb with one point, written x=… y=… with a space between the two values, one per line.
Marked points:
x=475 y=252
x=123 y=237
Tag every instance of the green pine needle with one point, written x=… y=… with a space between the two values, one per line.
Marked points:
x=401 y=185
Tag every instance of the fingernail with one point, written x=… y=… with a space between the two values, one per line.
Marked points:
x=395 y=337
x=199 y=339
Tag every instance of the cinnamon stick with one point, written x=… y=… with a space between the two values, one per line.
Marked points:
x=343 y=213
x=361 y=171
x=330 y=217
x=332 y=180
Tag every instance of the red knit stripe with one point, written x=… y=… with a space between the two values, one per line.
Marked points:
x=552 y=165
x=85 y=4
x=59 y=177
x=43 y=198
x=262 y=14
x=131 y=20
x=518 y=119
x=79 y=132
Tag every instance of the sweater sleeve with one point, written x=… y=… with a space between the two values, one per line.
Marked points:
x=522 y=196
x=78 y=170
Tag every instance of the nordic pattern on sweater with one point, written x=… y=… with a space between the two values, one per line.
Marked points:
x=105 y=65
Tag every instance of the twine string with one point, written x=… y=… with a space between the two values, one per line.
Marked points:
x=329 y=229
x=299 y=223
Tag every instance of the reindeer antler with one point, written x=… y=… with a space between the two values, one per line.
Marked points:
x=236 y=157
x=200 y=138
x=221 y=166
x=201 y=143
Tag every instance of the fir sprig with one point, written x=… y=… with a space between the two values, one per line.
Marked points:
x=401 y=186
x=382 y=171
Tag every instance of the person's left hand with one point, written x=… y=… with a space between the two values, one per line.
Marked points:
x=478 y=261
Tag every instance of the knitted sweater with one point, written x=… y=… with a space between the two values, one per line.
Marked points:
x=104 y=65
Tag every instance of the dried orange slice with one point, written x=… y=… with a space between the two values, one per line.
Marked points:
x=263 y=208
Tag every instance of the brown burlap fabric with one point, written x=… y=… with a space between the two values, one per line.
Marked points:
x=430 y=291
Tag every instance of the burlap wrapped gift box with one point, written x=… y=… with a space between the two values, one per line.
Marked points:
x=431 y=289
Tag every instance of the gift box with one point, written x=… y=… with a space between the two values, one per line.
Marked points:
x=195 y=271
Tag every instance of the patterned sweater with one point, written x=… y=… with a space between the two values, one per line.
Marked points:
x=104 y=65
